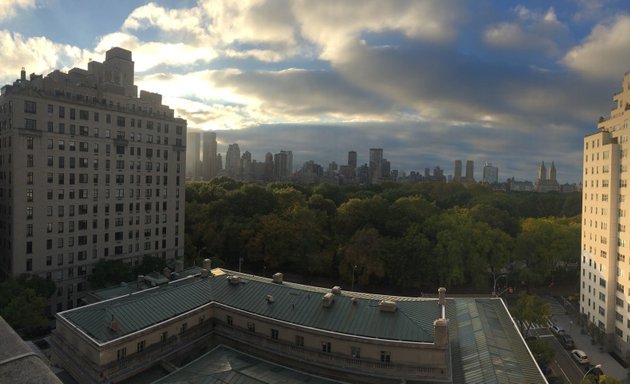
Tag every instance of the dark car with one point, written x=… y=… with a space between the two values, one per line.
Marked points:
x=567 y=341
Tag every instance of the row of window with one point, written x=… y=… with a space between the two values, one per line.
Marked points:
x=31 y=108
x=299 y=341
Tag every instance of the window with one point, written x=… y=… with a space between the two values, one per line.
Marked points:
x=182 y=330
x=121 y=353
x=30 y=123
x=299 y=340
x=29 y=212
x=29 y=142
x=229 y=321
x=140 y=346
x=274 y=334
x=29 y=247
x=29 y=161
x=251 y=327
x=30 y=106
x=355 y=352
x=385 y=356
x=326 y=346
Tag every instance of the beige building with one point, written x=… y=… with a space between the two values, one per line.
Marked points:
x=348 y=336
x=88 y=171
x=605 y=275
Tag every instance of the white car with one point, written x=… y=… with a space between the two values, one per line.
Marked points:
x=557 y=330
x=579 y=356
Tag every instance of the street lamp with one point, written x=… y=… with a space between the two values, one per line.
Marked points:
x=353 y=270
x=589 y=371
x=496 y=279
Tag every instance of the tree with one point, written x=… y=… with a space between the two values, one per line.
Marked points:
x=109 y=272
x=365 y=250
x=543 y=352
x=25 y=312
x=530 y=309
x=544 y=244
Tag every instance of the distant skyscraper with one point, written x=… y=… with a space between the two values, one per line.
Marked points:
x=233 y=161
x=280 y=165
x=470 y=171
x=268 y=166
x=193 y=165
x=246 y=166
x=376 y=164
x=219 y=163
x=490 y=174
x=542 y=171
x=352 y=159
x=209 y=155
x=289 y=165
x=544 y=183
x=458 y=171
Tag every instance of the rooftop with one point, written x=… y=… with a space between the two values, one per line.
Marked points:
x=351 y=313
x=224 y=365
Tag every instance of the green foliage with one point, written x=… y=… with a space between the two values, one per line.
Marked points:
x=543 y=352
x=110 y=272
x=23 y=302
x=530 y=309
x=418 y=236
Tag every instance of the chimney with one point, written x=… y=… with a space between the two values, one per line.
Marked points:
x=442 y=296
x=179 y=265
x=207 y=264
x=440 y=333
x=23 y=74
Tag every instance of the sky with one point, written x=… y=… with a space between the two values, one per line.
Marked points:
x=513 y=83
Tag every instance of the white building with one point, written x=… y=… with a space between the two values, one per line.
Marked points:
x=88 y=171
x=605 y=272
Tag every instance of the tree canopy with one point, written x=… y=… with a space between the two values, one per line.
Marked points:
x=404 y=236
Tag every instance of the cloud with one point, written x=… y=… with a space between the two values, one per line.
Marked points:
x=36 y=54
x=296 y=93
x=8 y=8
x=531 y=31
x=332 y=25
x=148 y=55
x=604 y=53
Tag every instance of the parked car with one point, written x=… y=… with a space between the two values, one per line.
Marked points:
x=557 y=330
x=593 y=370
x=567 y=341
x=579 y=356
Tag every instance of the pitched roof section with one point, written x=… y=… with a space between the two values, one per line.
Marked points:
x=351 y=313
x=487 y=344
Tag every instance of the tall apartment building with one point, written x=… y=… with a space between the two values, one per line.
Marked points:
x=605 y=272
x=88 y=171
x=233 y=160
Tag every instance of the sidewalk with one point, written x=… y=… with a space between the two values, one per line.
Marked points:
x=610 y=366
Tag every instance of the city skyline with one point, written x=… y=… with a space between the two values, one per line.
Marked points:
x=498 y=81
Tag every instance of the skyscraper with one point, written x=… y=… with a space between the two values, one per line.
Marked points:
x=605 y=258
x=209 y=155
x=375 y=165
x=352 y=159
x=470 y=171
x=98 y=172
x=490 y=174
x=280 y=165
x=193 y=164
x=458 y=171
x=289 y=165
x=233 y=160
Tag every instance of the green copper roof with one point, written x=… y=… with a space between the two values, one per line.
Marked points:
x=294 y=303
